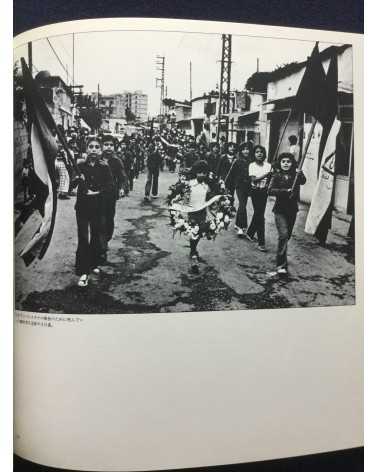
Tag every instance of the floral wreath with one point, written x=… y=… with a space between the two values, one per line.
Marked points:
x=219 y=211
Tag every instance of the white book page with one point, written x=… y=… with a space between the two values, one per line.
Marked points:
x=171 y=390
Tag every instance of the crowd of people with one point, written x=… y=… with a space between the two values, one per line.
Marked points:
x=100 y=169
x=242 y=171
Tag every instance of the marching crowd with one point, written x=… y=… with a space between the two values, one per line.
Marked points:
x=100 y=170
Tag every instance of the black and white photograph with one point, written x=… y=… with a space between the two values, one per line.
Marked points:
x=169 y=171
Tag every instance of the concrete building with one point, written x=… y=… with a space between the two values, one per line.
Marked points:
x=114 y=125
x=111 y=106
x=259 y=114
x=181 y=115
x=205 y=110
x=58 y=98
x=252 y=120
x=282 y=87
x=137 y=102
x=115 y=106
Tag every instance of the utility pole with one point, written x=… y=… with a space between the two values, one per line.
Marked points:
x=257 y=64
x=73 y=74
x=190 y=80
x=30 y=57
x=98 y=103
x=160 y=81
x=225 y=84
x=77 y=101
x=73 y=59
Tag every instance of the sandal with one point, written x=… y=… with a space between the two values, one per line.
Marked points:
x=83 y=281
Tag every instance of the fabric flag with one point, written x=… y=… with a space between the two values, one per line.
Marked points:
x=311 y=96
x=320 y=213
x=319 y=217
x=44 y=150
x=331 y=100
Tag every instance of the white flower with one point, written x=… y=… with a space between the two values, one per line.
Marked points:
x=219 y=215
x=221 y=225
x=213 y=226
x=226 y=219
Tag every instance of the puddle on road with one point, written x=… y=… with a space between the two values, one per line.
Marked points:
x=133 y=254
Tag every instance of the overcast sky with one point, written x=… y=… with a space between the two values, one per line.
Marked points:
x=125 y=60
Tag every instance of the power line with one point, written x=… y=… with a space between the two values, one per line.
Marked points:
x=59 y=60
x=70 y=58
x=68 y=54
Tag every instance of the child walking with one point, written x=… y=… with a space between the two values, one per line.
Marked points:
x=95 y=177
x=199 y=192
x=63 y=175
x=238 y=179
x=259 y=172
x=198 y=209
x=286 y=206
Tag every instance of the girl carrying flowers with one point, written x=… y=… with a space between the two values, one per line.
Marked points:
x=198 y=208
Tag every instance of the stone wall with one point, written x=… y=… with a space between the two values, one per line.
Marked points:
x=20 y=145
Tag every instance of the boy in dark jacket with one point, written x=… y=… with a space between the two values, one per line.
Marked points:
x=94 y=181
x=238 y=179
x=153 y=169
x=225 y=165
x=116 y=189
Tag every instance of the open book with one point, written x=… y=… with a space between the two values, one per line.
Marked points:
x=188 y=243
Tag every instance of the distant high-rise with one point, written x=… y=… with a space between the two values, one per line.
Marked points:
x=115 y=105
x=111 y=106
x=137 y=102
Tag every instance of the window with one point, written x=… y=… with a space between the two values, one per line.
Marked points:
x=209 y=108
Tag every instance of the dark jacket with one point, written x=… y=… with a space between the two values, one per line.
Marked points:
x=118 y=173
x=128 y=159
x=279 y=185
x=224 y=166
x=190 y=157
x=213 y=160
x=97 y=178
x=238 y=176
x=136 y=151
x=153 y=158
